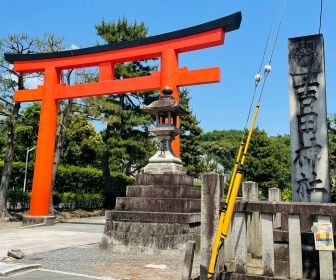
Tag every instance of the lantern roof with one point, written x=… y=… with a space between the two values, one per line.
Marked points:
x=166 y=103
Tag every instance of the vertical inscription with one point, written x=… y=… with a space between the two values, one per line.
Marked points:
x=163 y=148
x=308 y=120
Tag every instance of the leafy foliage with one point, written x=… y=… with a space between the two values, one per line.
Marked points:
x=332 y=154
x=18 y=198
x=71 y=179
x=83 y=145
x=190 y=140
x=267 y=161
x=26 y=131
x=127 y=145
x=222 y=146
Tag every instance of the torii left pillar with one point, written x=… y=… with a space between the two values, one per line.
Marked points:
x=165 y=46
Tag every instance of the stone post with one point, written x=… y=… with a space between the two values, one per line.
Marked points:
x=308 y=120
x=188 y=260
x=274 y=195
x=325 y=257
x=251 y=193
x=210 y=207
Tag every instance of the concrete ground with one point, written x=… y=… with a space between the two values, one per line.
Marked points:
x=69 y=250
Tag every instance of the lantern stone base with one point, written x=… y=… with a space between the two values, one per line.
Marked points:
x=160 y=212
x=164 y=168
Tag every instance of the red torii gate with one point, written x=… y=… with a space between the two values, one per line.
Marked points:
x=165 y=46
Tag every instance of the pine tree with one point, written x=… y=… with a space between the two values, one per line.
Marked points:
x=127 y=146
x=191 y=150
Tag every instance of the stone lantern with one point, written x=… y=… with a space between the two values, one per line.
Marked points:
x=166 y=111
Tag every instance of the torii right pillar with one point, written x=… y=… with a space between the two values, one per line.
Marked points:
x=308 y=120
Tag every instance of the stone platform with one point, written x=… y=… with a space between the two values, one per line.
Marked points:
x=160 y=212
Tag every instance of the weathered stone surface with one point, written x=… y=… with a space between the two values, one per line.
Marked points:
x=308 y=120
x=211 y=194
x=156 y=217
x=251 y=193
x=38 y=220
x=163 y=191
x=165 y=168
x=161 y=212
x=164 y=180
x=236 y=276
x=188 y=260
x=267 y=244
x=162 y=236
x=286 y=207
x=174 y=205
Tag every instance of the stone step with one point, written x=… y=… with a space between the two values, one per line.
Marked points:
x=151 y=235
x=155 y=217
x=173 y=205
x=164 y=180
x=163 y=191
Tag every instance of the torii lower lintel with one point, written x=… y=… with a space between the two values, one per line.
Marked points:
x=166 y=46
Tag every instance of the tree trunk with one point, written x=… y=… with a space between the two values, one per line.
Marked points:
x=60 y=139
x=109 y=191
x=7 y=169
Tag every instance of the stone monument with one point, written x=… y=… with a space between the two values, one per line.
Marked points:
x=308 y=120
x=162 y=211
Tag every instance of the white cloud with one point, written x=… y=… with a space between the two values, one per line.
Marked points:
x=32 y=82
x=73 y=47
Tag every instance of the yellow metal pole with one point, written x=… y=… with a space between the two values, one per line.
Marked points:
x=234 y=172
x=238 y=179
x=226 y=214
x=250 y=134
x=214 y=254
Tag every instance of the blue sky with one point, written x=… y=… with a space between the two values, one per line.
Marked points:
x=218 y=106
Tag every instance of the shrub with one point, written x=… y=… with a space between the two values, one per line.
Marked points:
x=69 y=200
x=57 y=199
x=286 y=194
x=198 y=185
x=71 y=179
x=17 y=198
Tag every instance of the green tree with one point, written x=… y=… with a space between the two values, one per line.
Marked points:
x=126 y=143
x=332 y=153
x=10 y=80
x=267 y=160
x=83 y=145
x=222 y=146
x=191 y=151
x=26 y=131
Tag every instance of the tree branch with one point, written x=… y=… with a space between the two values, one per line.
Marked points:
x=332 y=129
x=5 y=101
x=4 y=113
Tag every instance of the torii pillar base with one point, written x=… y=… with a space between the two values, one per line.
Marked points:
x=38 y=220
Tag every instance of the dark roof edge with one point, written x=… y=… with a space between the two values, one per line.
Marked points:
x=228 y=23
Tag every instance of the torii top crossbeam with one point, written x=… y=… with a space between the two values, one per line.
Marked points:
x=165 y=46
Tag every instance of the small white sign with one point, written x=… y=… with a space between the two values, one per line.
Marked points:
x=323 y=235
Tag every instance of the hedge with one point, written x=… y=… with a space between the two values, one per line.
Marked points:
x=70 y=179
x=18 y=198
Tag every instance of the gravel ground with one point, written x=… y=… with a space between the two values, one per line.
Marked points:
x=91 y=260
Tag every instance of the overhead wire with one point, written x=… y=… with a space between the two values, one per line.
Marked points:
x=241 y=153
x=238 y=171
x=258 y=75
